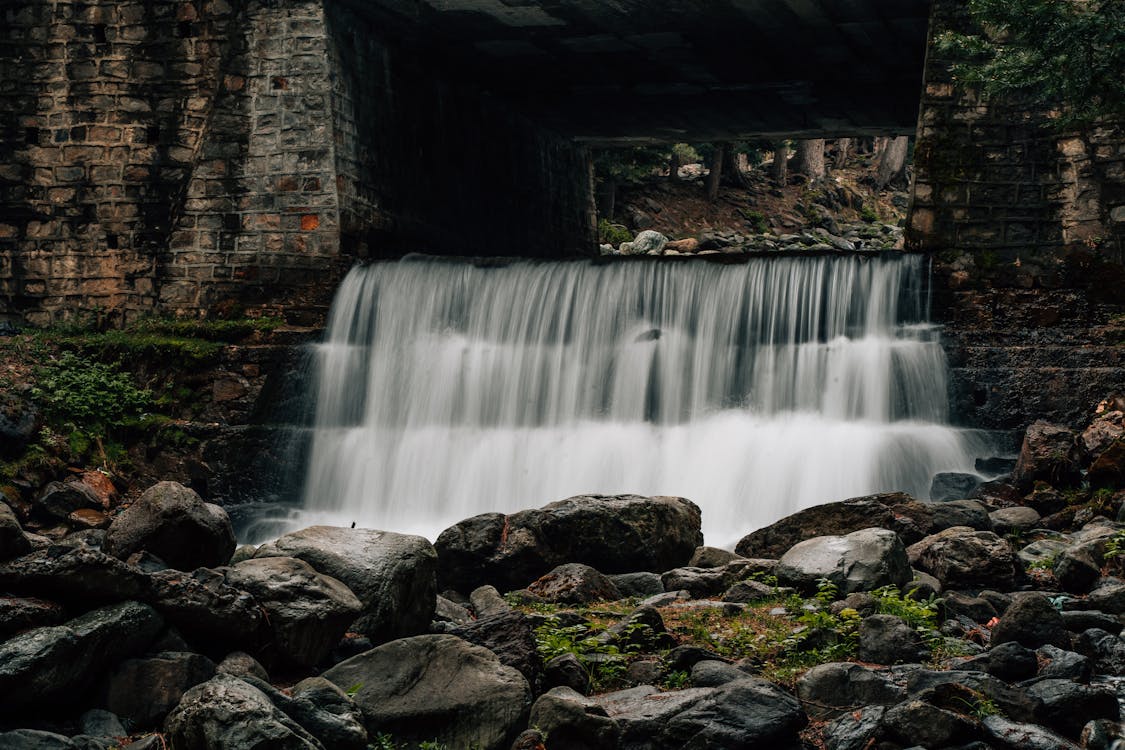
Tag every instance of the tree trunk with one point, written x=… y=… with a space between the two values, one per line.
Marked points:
x=809 y=159
x=674 y=166
x=892 y=164
x=607 y=198
x=780 y=170
x=842 y=146
x=716 y=173
x=732 y=174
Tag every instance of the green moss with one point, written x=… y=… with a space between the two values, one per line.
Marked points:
x=613 y=234
x=757 y=221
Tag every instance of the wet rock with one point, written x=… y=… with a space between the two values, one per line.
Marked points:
x=955 y=604
x=971 y=513
x=173 y=522
x=1108 y=470
x=78 y=574
x=703 y=583
x=711 y=673
x=510 y=637
x=144 y=690
x=486 y=601
x=1012 y=520
x=574 y=583
x=742 y=714
x=307 y=612
x=566 y=670
x=13 y=542
x=1042 y=551
x=1019 y=736
x=951 y=485
x=952 y=689
x=711 y=557
x=855 y=730
x=1048 y=502
x=226 y=713
x=574 y=722
x=917 y=722
x=437 y=688
x=393 y=575
x=18 y=421
x=612 y=533
x=206 y=609
x=242 y=664
x=1011 y=662
x=1104 y=430
x=1032 y=622
x=18 y=614
x=886 y=639
x=1064 y=665
x=962 y=558
x=1047 y=454
x=1068 y=706
x=896 y=511
x=59 y=499
x=101 y=723
x=51 y=667
x=35 y=739
x=327 y=713
x=637 y=584
x=831 y=690
x=860 y=561
x=448 y=611
x=1078 y=621
x=1108 y=596
x=1076 y=570
x=1105 y=649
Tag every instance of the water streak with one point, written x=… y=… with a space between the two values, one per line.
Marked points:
x=446 y=389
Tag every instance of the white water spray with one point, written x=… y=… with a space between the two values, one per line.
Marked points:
x=446 y=389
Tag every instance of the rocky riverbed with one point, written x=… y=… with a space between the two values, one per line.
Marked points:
x=987 y=621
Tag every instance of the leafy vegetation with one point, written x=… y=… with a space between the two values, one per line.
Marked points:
x=89 y=395
x=613 y=234
x=1062 y=55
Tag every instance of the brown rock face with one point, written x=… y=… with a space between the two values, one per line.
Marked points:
x=1048 y=454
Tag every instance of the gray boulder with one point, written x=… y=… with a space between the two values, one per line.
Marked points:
x=896 y=511
x=437 y=687
x=918 y=723
x=643 y=712
x=749 y=713
x=73 y=575
x=962 y=558
x=242 y=664
x=971 y=513
x=1015 y=519
x=860 y=561
x=35 y=739
x=174 y=523
x=1032 y=622
x=952 y=485
x=393 y=575
x=637 y=584
x=1020 y=736
x=509 y=635
x=144 y=690
x=1067 y=706
x=828 y=691
x=702 y=583
x=226 y=713
x=320 y=708
x=307 y=612
x=855 y=730
x=202 y=606
x=612 y=533
x=886 y=639
x=574 y=722
x=53 y=666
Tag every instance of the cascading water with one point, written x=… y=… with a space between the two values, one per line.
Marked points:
x=447 y=389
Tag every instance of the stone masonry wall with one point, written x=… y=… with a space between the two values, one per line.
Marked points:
x=185 y=157
x=1027 y=228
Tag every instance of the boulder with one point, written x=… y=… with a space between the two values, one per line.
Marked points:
x=637 y=584
x=1067 y=706
x=446 y=610
x=565 y=670
x=918 y=723
x=144 y=690
x=242 y=664
x=205 y=608
x=509 y=635
x=1076 y=570
x=327 y=712
x=1015 y=519
x=648 y=242
x=437 y=688
x=962 y=558
x=574 y=583
x=828 y=691
x=100 y=723
x=748 y=713
x=711 y=557
x=1105 y=649
x=971 y=513
x=59 y=499
x=643 y=712
x=1020 y=736
x=18 y=421
x=860 y=561
x=896 y=511
x=855 y=730
x=393 y=575
x=952 y=485
x=745 y=592
x=35 y=739
x=51 y=667
x=887 y=639
x=574 y=722
x=702 y=583
x=73 y=575
x=1105 y=429
x=307 y=612
x=955 y=604
x=18 y=614
x=1063 y=665
x=1048 y=454
x=13 y=542
x=1010 y=662
x=173 y=522
x=226 y=713
x=713 y=673
x=1032 y=622
x=612 y=533
x=1108 y=470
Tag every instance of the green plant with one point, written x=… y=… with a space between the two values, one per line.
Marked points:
x=613 y=234
x=1115 y=545
x=91 y=396
x=757 y=221
x=868 y=214
x=980 y=706
x=676 y=680
x=1043 y=563
x=603 y=661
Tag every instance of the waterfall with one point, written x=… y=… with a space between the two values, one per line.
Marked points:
x=450 y=388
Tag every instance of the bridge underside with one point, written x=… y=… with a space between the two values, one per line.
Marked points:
x=669 y=70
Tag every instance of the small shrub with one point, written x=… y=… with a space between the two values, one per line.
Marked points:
x=757 y=221
x=613 y=234
x=868 y=214
x=91 y=396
